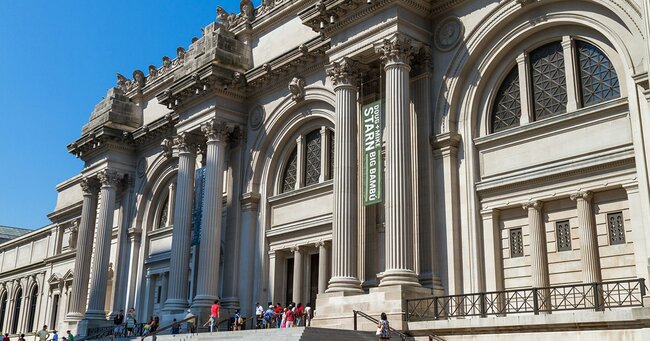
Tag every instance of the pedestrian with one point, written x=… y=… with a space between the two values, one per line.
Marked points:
x=309 y=314
x=22 y=337
x=300 y=312
x=214 y=315
x=283 y=320
x=55 y=336
x=117 y=321
x=6 y=337
x=238 y=321
x=191 y=322
x=175 y=327
x=278 y=315
x=291 y=318
x=259 y=312
x=42 y=334
x=269 y=316
x=70 y=336
x=383 y=329
x=154 y=326
x=130 y=321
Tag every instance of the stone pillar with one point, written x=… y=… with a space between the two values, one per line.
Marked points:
x=122 y=264
x=324 y=153
x=101 y=257
x=207 y=287
x=344 y=220
x=85 y=237
x=572 y=82
x=493 y=250
x=272 y=292
x=149 y=289
x=538 y=254
x=164 y=278
x=323 y=256
x=396 y=53
x=180 y=253
x=249 y=247
x=297 y=274
x=170 y=206
x=588 y=237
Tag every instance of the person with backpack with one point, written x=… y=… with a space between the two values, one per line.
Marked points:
x=269 y=316
x=238 y=321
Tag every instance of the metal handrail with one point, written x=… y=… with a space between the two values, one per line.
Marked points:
x=433 y=337
x=375 y=321
x=597 y=296
x=169 y=326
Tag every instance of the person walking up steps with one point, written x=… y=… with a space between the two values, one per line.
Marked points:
x=214 y=316
x=383 y=329
x=42 y=334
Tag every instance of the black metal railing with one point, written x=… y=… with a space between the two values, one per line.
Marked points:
x=594 y=296
x=164 y=329
x=376 y=322
x=113 y=330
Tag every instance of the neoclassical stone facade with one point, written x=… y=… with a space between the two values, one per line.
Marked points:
x=514 y=158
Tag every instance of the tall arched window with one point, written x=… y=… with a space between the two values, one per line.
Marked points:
x=3 y=310
x=33 y=298
x=313 y=164
x=162 y=219
x=16 y=317
x=546 y=87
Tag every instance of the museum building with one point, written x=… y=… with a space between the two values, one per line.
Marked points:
x=473 y=167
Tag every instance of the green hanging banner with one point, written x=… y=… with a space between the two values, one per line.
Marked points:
x=372 y=167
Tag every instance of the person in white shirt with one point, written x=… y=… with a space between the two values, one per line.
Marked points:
x=259 y=311
x=309 y=313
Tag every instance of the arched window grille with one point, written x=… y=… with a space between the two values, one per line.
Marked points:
x=33 y=297
x=162 y=219
x=506 y=111
x=3 y=310
x=16 y=317
x=312 y=157
x=331 y=147
x=595 y=75
x=290 y=172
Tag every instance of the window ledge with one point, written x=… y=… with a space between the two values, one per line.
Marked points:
x=311 y=189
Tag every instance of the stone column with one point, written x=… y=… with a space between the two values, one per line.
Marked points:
x=101 y=257
x=180 y=253
x=249 y=248
x=588 y=237
x=85 y=237
x=493 y=250
x=122 y=264
x=170 y=206
x=209 y=254
x=323 y=256
x=272 y=292
x=344 y=220
x=324 y=153
x=149 y=289
x=297 y=274
x=164 y=278
x=538 y=254
x=396 y=53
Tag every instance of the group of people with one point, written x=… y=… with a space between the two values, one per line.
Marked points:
x=293 y=315
x=125 y=324
x=44 y=335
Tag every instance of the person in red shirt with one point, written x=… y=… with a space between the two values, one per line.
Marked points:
x=278 y=315
x=291 y=318
x=214 y=315
x=300 y=312
x=6 y=337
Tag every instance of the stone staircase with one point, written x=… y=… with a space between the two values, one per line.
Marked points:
x=289 y=334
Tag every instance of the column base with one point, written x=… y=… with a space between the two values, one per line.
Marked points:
x=398 y=277
x=95 y=315
x=230 y=303
x=74 y=317
x=86 y=324
x=175 y=306
x=344 y=284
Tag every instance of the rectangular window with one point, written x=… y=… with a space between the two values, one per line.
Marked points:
x=158 y=294
x=516 y=243
x=563 y=235
x=615 y=228
x=55 y=311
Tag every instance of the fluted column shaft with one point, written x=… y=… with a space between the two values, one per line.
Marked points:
x=588 y=238
x=180 y=252
x=538 y=255
x=101 y=256
x=396 y=53
x=297 y=274
x=344 y=229
x=209 y=254
x=79 y=290
x=171 y=203
x=323 y=256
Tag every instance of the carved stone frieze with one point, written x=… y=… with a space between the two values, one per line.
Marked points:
x=297 y=88
x=343 y=72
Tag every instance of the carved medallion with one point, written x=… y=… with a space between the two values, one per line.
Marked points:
x=141 y=167
x=449 y=33
x=257 y=117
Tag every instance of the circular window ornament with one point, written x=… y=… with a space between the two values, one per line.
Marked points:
x=257 y=117
x=449 y=33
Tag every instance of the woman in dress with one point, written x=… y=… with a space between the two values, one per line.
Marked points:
x=384 y=328
x=130 y=321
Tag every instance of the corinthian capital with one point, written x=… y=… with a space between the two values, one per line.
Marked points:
x=343 y=72
x=109 y=178
x=89 y=185
x=185 y=143
x=397 y=49
x=585 y=195
x=536 y=205
x=216 y=130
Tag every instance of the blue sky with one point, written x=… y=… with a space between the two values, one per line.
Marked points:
x=57 y=59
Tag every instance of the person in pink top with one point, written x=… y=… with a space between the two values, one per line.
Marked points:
x=291 y=317
x=214 y=315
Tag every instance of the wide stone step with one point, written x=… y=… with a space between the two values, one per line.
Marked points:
x=289 y=334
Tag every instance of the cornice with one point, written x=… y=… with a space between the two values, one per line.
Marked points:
x=311 y=54
x=68 y=210
x=156 y=129
x=100 y=139
x=63 y=256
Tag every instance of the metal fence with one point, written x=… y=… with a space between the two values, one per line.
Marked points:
x=593 y=296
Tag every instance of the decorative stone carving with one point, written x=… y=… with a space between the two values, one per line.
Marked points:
x=297 y=88
x=108 y=177
x=89 y=186
x=537 y=205
x=180 y=53
x=141 y=167
x=139 y=79
x=185 y=143
x=586 y=195
x=257 y=117
x=247 y=9
x=74 y=233
x=110 y=271
x=215 y=130
x=396 y=49
x=343 y=72
x=449 y=33
x=167 y=147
